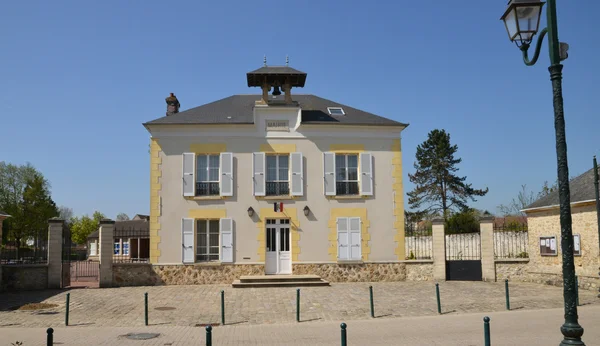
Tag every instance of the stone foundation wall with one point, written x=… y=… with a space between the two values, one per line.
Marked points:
x=149 y=275
x=136 y=274
x=359 y=272
x=525 y=272
x=25 y=277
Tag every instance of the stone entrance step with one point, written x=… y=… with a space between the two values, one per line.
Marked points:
x=279 y=281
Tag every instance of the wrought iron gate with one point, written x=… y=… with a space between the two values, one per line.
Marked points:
x=463 y=256
x=66 y=257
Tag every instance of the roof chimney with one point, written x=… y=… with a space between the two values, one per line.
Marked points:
x=172 y=104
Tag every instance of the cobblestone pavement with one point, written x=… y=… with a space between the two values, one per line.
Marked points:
x=508 y=328
x=192 y=305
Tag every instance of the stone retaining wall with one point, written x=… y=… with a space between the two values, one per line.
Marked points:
x=24 y=277
x=136 y=274
x=525 y=272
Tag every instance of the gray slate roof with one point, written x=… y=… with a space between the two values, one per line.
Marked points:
x=238 y=109
x=582 y=189
x=3 y=213
x=133 y=228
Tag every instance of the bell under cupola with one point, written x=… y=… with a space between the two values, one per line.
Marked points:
x=277 y=79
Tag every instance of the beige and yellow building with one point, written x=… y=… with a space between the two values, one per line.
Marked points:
x=275 y=183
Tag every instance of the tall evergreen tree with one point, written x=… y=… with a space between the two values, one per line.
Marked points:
x=438 y=188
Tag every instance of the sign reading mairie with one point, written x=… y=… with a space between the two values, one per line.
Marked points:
x=278 y=125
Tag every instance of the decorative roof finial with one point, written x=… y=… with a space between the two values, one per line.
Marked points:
x=287 y=60
x=265 y=61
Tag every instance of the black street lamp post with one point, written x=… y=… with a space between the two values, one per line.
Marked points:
x=522 y=20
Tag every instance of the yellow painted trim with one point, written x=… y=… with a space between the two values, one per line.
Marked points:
x=268 y=213
x=347 y=148
x=398 y=189
x=208 y=148
x=155 y=189
x=207 y=213
x=334 y=213
x=278 y=148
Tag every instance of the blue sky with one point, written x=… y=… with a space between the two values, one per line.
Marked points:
x=78 y=78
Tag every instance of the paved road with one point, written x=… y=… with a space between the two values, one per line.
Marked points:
x=509 y=328
x=191 y=305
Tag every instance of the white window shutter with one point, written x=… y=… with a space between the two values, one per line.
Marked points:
x=226 y=171
x=259 y=171
x=297 y=179
x=187 y=240
x=226 y=231
x=355 y=238
x=329 y=173
x=189 y=174
x=342 y=238
x=366 y=174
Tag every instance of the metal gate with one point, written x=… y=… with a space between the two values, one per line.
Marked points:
x=463 y=256
x=65 y=280
x=85 y=271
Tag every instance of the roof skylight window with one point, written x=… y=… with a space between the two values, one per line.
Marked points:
x=335 y=111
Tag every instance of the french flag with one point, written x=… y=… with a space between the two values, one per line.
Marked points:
x=278 y=207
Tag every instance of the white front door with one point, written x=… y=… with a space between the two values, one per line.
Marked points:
x=278 y=254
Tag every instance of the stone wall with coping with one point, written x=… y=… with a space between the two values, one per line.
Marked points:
x=145 y=274
x=25 y=277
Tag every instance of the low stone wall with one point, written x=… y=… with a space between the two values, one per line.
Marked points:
x=130 y=274
x=525 y=272
x=419 y=270
x=24 y=277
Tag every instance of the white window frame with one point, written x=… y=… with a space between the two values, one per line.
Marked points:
x=340 y=108
x=208 y=167
x=125 y=253
x=346 y=180
x=206 y=224
x=278 y=180
x=117 y=251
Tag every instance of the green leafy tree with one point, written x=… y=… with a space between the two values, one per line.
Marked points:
x=465 y=221
x=38 y=207
x=438 y=189
x=25 y=195
x=82 y=227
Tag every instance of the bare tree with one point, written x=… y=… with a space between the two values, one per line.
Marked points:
x=523 y=199
x=122 y=217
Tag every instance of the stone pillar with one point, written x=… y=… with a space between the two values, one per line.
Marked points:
x=439 y=250
x=488 y=264
x=55 y=243
x=105 y=251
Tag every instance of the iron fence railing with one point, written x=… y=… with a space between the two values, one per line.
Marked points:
x=511 y=241
x=29 y=248
x=463 y=246
x=418 y=244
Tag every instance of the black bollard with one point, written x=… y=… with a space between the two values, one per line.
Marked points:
x=50 y=337
x=486 y=331
x=371 y=297
x=507 y=294
x=344 y=340
x=437 y=293
x=208 y=335
x=222 y=307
